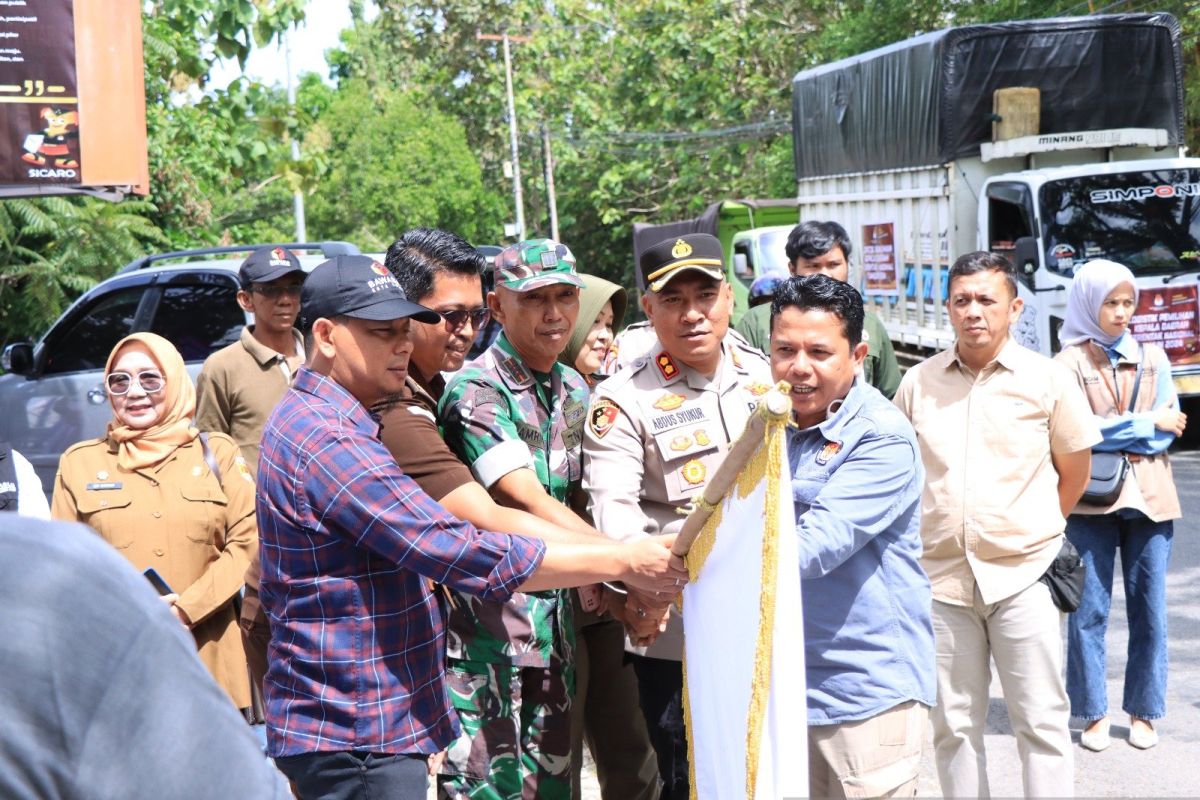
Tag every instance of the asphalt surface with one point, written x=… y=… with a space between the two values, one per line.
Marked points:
x=1172 y=769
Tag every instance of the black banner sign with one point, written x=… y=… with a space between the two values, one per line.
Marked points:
x=39 y=103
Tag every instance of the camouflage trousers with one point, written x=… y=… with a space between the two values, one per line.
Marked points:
x=516 y=732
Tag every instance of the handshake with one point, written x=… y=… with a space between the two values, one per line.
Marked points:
x=656 y=577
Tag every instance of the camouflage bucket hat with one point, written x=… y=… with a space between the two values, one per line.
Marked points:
x=535 y=263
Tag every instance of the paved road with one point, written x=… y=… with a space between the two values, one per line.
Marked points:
x=1172 y=769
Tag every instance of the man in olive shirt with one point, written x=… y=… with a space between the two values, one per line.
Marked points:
x=240 y=385
x=824 y=248
x=1005 y=436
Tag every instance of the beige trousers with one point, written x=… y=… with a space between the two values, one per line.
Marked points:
x=1023 y=634
x=875 y=757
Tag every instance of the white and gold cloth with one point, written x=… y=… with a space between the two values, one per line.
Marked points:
x=744 y=681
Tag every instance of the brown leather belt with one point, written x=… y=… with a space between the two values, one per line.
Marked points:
x=1134 y=458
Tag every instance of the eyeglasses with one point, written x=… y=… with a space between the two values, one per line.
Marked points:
x=119 y=383
x=276 y=292
x=457 y=318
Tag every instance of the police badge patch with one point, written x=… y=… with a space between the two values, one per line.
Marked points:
x=602 y=416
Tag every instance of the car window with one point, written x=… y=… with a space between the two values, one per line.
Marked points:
x=199 y=318
x=85 y=345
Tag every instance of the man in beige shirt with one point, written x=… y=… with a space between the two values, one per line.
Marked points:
x=1006 y=437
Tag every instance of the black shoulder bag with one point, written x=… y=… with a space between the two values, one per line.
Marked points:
x=1109 y=469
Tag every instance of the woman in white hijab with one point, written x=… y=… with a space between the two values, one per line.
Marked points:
x=1141 y=423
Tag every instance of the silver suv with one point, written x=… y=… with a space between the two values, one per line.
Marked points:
x=53 y=394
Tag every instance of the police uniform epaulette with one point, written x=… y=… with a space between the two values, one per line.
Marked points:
x=622 y=376
x=745 y=349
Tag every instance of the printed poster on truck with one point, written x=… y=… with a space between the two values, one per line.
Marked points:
x=1167 y=317
x=880 y=273
x=39 y=102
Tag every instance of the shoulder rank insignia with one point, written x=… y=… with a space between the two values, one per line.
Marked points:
x=514 y=372
x=758 y=388
x=693 y=472
x=669 y=401
x=830 y=450
x=602 y=416
x=666 y=365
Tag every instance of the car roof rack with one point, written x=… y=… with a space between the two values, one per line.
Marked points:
x=328 y=249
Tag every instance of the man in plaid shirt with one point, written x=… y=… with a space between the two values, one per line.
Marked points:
x=350 y=546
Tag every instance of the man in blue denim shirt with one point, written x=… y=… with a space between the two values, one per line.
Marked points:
x=856 y=484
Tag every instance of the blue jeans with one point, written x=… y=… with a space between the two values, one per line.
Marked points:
x=1145 y=548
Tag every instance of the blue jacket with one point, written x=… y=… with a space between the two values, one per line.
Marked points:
x=856 y=484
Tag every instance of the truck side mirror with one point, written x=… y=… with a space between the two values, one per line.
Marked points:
x=18 y=358
x=741 y=265
x=1025 y=255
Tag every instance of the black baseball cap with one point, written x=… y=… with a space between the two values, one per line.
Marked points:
x=700 y=252
x=359 y=287
x=268 y=263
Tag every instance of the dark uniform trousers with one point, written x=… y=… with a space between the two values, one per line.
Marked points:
x=605 y=713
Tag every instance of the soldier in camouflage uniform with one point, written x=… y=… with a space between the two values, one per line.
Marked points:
x=515 y=416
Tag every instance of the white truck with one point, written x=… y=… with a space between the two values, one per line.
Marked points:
x=896 y=145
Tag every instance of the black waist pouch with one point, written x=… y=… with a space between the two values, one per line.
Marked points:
x=1065 y=577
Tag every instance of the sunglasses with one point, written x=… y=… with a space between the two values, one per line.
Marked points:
x=456 y=319
x=276 y=292
x=119 y=383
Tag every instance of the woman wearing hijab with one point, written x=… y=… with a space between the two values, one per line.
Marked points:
x=1107 y=361
x=604 y=710
x=601 y=312
x=168 y=497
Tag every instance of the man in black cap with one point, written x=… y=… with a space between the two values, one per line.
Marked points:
x=655 y=433
x=355 y=692
x=240 y=384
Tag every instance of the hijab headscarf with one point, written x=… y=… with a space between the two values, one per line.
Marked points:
x=1093 y=282
x=595 y=293
x=137 y=449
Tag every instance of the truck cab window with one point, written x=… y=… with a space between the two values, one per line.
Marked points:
x=1010 y=216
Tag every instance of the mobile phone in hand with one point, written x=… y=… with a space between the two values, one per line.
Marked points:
x=156 y=580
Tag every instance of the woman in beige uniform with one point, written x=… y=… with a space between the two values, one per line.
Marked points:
x=167 y=499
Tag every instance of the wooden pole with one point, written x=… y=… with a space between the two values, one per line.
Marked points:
x=774 y=406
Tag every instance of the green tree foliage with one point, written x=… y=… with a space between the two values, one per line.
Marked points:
x=394 y=163
x=53 y=249
x=656 y=108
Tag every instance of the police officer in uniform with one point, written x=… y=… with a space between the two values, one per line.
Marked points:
x=655 y=433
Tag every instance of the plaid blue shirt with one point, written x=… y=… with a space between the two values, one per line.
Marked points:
x=349 y=546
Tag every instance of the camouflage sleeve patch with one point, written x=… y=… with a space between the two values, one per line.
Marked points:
x=486 y=395
x=602 y=416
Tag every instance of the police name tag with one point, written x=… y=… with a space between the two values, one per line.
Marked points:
x=103 y=487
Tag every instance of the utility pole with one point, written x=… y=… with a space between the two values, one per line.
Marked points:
x=297 y=195
x=550 y=198
x=518 y=200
